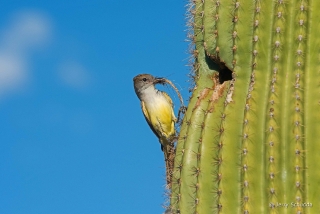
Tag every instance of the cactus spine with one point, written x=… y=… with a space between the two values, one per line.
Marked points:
x=251 y=143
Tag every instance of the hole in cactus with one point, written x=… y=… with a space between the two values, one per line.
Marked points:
x=225 y=73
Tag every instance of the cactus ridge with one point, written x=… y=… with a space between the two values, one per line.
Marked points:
x=210 y=159
x=249 y=138
x=210 y=21
x=311 y=104
x=273 y=122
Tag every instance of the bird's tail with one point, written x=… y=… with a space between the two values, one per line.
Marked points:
x=169 y=153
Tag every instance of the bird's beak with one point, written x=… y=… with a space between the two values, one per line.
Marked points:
x=159 y=80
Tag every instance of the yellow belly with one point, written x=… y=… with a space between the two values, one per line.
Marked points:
x=161 y=117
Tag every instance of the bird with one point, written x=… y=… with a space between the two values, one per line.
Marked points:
x=157 y=108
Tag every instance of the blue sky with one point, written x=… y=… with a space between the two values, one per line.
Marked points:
x=73 y=138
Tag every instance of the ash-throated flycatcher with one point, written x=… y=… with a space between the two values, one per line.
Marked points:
x=157 y=108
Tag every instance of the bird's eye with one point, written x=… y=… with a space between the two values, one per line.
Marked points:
x=144 y=79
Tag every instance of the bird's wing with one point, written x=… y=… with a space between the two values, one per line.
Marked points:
x=170 y=101
x=166 y=147
x=146 y=116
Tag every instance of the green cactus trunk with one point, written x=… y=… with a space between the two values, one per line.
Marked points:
x=251 y=144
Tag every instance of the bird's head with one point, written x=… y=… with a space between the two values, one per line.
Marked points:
x=144 y=81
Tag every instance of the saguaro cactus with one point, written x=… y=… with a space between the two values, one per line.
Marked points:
x=251 y=144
